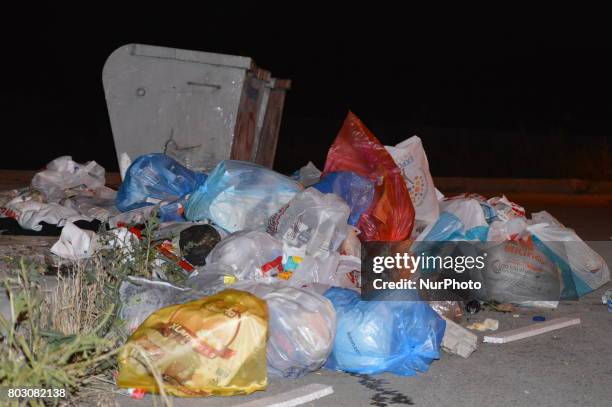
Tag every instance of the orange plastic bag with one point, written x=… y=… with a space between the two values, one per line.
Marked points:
x=356 y=149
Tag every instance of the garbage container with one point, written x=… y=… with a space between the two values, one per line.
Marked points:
x=198 y=107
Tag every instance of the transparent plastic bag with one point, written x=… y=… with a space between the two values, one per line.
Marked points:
x=312 y=221
x=506 y=230
x=211 y=280
x=173 y=211
x=140 y=297
x=321 y=269
x=258 y=256
x=153 y=178
x=302 y=326
x=401 y=337
x=249 y=255
x=240 y=195
x=98 y=206
x=212 y=346
x=356 y=149
x=357 y=191
x=63 y=173
x=307 y=175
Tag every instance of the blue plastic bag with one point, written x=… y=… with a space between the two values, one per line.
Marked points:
x=357 y=191
x=153 y=178
x=240 y=195
x=173 y=211
x=460 y=219
x=401 y=337
x=449 y=227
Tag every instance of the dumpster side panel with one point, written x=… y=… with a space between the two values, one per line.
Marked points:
x=183 y=108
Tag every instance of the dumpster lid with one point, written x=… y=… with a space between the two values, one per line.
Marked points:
x=210 y=58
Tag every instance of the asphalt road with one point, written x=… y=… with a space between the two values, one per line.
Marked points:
x=569 y=367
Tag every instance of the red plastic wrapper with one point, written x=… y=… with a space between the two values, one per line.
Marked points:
x=356 y=149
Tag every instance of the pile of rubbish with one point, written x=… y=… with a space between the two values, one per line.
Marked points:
x=271 y=264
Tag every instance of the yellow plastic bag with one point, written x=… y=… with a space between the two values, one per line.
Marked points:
x=213 y=346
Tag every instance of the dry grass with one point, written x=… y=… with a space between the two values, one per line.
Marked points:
x=32 y=354
x=75 y=306
x=67 y=337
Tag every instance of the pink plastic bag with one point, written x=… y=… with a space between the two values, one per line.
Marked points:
x=391 y=215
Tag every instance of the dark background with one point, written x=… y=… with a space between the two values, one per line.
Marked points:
x=522 y=97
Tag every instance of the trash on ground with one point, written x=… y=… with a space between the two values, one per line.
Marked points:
x=473 y=307
x=356 y=191
x=311 y=224
x=308 y=175
x=607 y=299
x=239 y=195
x=356 y=149
x=457 y=340
x=197 y=241
x=401 y=337
x=212 y=346
x=448 y=309
x=141 y=297
x=63 y=173
x=486 y=325
x=154 y=178
x=75 y=243
x=302 y=328
x=226 y=277
x=531 y=330
x=588 y=270
x=410 y=157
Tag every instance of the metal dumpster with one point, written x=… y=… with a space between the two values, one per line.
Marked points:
x=197 y=107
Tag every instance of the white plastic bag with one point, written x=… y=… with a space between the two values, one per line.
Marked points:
x=63 y=173
x=467 y=210
x=31 y=213
x=302 y=328
x=314 y=222
x=588 y=269
x=461 y=218
x=75 y=243
x=410 y=157
x=545 y=217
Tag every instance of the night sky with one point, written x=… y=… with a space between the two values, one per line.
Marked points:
x=522 y=98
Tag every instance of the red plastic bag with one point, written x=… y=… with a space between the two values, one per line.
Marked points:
x=391 y=215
